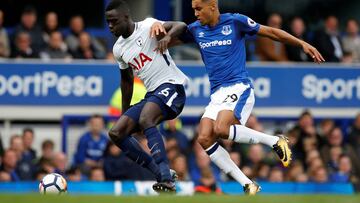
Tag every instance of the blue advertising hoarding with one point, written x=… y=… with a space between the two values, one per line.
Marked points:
x=93 y=84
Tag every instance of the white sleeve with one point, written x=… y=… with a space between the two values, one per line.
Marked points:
x=150 y=21
x=122 y=64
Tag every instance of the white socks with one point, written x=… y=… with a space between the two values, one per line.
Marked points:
x=242 y=134
x=222 y=159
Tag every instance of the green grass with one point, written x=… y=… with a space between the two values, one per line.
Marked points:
x=16 y=198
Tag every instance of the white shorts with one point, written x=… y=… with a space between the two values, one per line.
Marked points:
x=238 y=98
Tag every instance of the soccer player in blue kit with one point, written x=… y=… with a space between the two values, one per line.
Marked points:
x=221 y=39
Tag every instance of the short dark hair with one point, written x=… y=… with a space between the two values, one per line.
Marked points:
x=118 y=5
x=30 y=130
x=29 y=9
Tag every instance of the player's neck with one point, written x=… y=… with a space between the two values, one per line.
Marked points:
x=216 y=19
x=130 y=30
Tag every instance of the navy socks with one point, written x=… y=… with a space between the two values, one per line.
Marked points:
x=158 y=152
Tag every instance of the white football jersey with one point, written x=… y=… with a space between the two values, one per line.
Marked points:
x=137 y=52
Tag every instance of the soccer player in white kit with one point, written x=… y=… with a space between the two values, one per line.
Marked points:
x=135 y=52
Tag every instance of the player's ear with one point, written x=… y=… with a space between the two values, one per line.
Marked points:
x=213 y=4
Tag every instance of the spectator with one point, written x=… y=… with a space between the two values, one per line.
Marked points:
x=46 y=165
x=351 y=40
x=262 y=172
x=320 y=175
x=9 y=164
x=97 y=174
x=73 y=39
x=50 y=26
x=1 y=148
x=172 y=128
x=5 y=176
x=302 y=178
x=276 y=175
x=328 y=41
x=40 y=174
x=26 y=155
x=326 y=126
x=345 y=173
x=55 y=48
x=85 y=50
x=267 y=49
x=17 y=145
x=4 y=39
x=172 y=148
x=354 y=135
x=297 y=28
x=255 y=157
x=22 y=47
x=28 y=25
x=28 y=138
x=335 y=139
x=335 y=153
x=92 y=144
x=47 y=148
x=295 y=169
x=308 y=137
x=60 y=163
x=74 y=174
x=179 y=164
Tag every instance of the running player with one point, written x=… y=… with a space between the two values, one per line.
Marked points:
x=165 y=98
x=221 y=39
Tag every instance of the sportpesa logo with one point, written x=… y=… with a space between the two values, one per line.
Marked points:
x=215 y=43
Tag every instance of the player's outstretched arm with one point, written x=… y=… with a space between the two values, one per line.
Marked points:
x=167 y=34
x=127 y=84
x=282 y=36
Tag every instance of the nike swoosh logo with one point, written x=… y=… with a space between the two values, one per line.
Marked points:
x=285 y=158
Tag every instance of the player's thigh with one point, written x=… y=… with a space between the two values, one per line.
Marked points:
x=128 y=122
x=150 y=115
x=206 y=136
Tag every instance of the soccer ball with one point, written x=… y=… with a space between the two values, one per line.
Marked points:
x=53 y=183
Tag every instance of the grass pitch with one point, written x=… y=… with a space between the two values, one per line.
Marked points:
x=19 y=198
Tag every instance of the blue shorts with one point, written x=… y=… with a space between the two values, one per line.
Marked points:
x=170 y=98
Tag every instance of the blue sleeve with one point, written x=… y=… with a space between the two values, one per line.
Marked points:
x=81 y=151
x=246 y=25
x=187 y=36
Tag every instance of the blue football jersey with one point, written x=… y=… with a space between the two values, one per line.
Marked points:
x=223 y=48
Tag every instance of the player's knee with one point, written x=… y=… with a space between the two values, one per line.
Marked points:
x=221 y=131
x=115 y=135
x=204 y=140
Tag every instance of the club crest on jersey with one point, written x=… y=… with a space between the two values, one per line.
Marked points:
x=226 y=30
x=201 y=34
x=251 y=22
x=139 y=41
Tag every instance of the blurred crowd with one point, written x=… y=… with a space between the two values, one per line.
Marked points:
x=322 y=152
x=46 y=40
